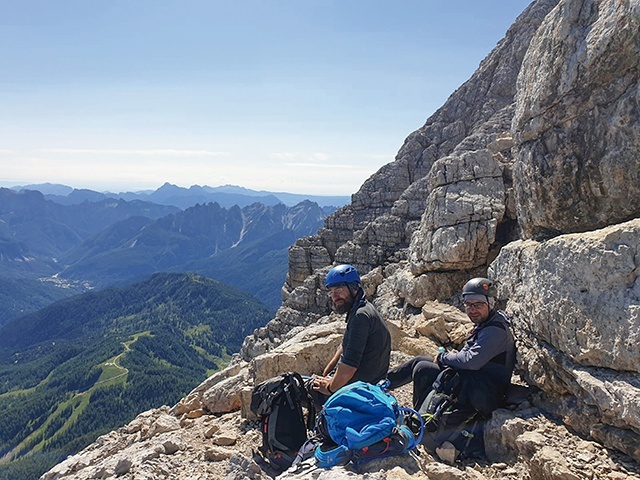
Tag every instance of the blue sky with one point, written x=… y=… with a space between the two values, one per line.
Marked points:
x=304 y=96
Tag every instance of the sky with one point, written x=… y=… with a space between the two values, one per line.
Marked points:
x=300 y=96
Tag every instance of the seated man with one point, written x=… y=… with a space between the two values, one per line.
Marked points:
x=485 y=363
x=366 y=345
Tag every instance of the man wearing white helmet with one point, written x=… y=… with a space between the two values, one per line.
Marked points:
x=485 y=363
x=366 y=346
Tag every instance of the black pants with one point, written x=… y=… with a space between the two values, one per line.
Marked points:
x=479 y=391
x=421 y=370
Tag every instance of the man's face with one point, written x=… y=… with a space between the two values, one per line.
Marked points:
x=341 y=298
x=477 y=311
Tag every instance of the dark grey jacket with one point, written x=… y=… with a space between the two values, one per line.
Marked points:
x=486 y=362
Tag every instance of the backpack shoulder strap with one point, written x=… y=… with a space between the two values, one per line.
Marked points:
x=308 y=400
x=412 y=414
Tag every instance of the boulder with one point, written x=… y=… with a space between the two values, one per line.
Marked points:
x=419 y=289
x=465 y=206
x=575 y=303
x=578 y=293
x=306 y=352
x=163 y=424
x=194 y=400
x=576 y=124
x=225 y=396
x=443 y=323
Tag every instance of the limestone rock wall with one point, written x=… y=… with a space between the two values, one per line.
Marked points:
x=575 y=298
x=391 y=202
x=575 y=304
x=577 y=119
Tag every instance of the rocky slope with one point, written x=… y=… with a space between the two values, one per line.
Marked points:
x=528 y=174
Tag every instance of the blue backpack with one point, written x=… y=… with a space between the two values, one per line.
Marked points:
x=361 y=421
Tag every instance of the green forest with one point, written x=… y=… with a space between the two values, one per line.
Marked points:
x=20 y=296
x=89 y=364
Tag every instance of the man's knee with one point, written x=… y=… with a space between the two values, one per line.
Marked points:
x=425 y=369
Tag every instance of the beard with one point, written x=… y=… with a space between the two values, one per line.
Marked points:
x=343 y=307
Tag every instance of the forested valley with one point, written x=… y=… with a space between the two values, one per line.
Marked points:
x=89 y=364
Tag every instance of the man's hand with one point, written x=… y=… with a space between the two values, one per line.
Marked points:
x=328 y=385
x=322 y=384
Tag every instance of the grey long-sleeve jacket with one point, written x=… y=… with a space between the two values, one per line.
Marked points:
x=490 y=350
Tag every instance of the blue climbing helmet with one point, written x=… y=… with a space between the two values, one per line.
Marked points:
x=343 y=275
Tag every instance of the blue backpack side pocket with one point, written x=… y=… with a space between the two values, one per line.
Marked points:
x=331 y=455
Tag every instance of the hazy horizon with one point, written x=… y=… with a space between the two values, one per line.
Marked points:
x=148 y=190
x=292 y=96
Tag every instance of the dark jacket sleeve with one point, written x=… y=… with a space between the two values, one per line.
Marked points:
x=491 y=341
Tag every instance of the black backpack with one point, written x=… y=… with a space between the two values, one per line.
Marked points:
x=446 y=419
x=278 y=403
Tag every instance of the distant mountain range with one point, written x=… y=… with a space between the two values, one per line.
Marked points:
x=34 y=231
x=246 y=248
x=114 y=304
x=105 y=241
x=168 y=194
x=88 y=364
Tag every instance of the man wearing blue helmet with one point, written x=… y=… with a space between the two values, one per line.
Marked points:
x=366 y=345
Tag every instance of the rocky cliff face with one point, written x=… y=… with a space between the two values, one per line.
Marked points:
x=528 y=174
